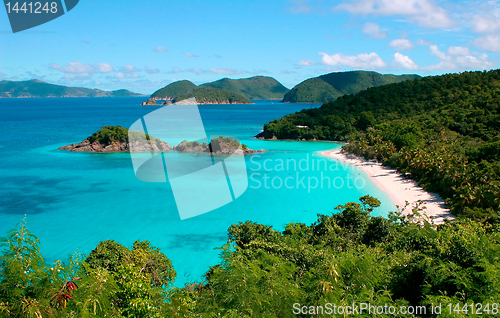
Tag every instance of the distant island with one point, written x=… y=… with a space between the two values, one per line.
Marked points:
x=112 y=139
x=257 y=87
x=174 y=90
x=327 y=88
x=37 y=88
x=214 y=96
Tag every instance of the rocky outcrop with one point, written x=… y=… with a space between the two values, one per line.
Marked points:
x=191 y=146
x=118 y=139
x=151 y=102
x=138 y=146
x=218 y=146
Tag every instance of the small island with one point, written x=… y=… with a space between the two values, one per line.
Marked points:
x=219 y=146
x=113 y=139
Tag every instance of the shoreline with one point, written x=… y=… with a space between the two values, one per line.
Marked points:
x=396 y=186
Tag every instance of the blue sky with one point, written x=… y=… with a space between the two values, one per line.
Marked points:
x=144 y=45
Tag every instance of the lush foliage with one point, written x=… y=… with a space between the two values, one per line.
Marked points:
x=37 y=88
x=117 y=134
x=214 y=96
x=444 y=130
x=329 y=87
x=257 y=87
x=347 y=257
x=113 y=282
x=174 y=89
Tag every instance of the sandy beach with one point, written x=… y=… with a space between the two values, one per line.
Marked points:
x=397 y=186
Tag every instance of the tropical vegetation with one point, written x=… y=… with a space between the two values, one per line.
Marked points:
x=329 y=87
x=117 y=134
x=345 y=258
x=174 y=89
x=443 y=130
x=214 y=96
x=256 y=87
x=37 y=88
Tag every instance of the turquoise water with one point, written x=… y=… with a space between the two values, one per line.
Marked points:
x=74 y=200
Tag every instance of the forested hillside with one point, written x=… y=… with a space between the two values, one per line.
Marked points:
x=257 y=87
x=329 y=87
x=174 y=89
x=214 y=96
x=445 y=130
x=37 y=88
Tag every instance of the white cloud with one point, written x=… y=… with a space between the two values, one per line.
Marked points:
x=175 y=70
x=373 y=29
x=195 y=70
x=484 y=24
x=453 y=61
x=287 y=72
x=1 y=76
x=127 y=69
x=364 y=60
x=306 y=63
x=458 y=50
x=160 y=49
x=299 y=6
x=403 y=61
x=401 y=44
x=435 y=51
x=423 y=42
x=489 y=42
x=121 y=75
x=189 y=54
x=85 y=42
x=104 y=67
x=151 y=71
x=226 y=71
x=74 y=68
x=423 y=12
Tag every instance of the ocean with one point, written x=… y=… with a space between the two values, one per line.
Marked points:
x=72 y=201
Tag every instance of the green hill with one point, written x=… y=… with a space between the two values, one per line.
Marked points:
x=444 y=130
x=214 y=96
x=174 y=89
x=36 y=88
x=329 y=87
x=257 y=87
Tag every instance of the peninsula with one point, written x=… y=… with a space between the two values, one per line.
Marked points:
x=37 y=88
x=440 y=130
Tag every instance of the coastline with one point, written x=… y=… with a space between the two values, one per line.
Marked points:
x=396 y=186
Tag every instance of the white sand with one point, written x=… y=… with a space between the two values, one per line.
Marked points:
x=397 y=186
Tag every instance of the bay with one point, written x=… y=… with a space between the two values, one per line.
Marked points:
x=73 y=201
